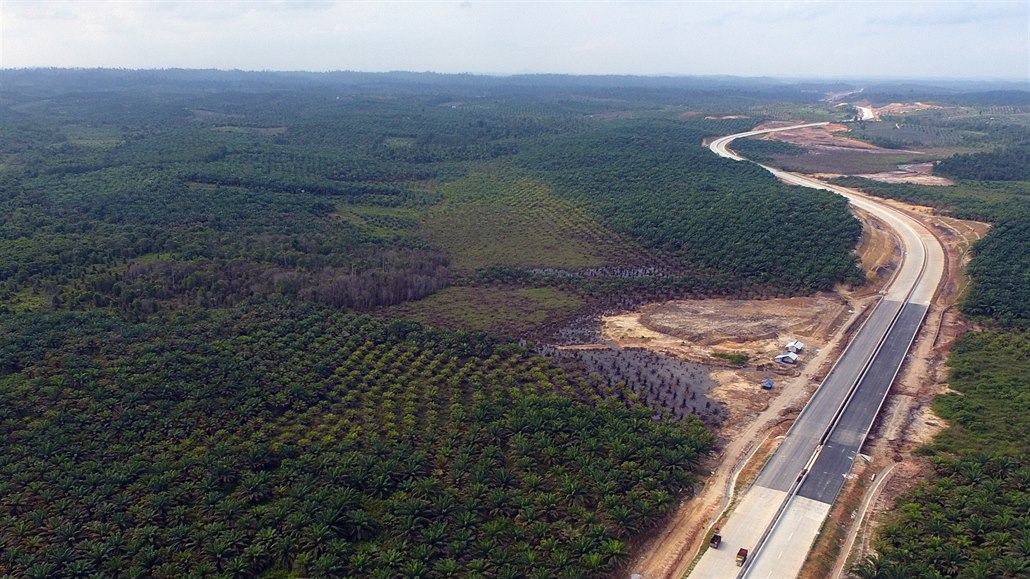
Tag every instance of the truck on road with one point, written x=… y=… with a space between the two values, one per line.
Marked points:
x=741 y=557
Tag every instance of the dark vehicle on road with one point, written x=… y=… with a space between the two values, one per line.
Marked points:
x=741 y=557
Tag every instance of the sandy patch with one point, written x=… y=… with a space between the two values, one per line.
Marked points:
x=879 y=251
x=824 y=138
x=918 y=173
x=757 y=328
x=906 y=177
x=821 y=137
x=902 y=108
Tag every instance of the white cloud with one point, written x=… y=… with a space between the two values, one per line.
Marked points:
x=828 y=38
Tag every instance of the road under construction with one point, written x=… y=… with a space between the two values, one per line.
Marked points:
x=778 y=518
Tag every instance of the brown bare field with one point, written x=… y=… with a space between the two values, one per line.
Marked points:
x=879 y=252
x=757 y=328
x=698 y=330
x=902 y=108
x=917 y=173
x=823 y=137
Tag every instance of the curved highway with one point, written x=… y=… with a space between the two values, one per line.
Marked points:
x=778 y=518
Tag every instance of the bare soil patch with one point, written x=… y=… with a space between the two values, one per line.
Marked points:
x=902 y=108
x=697 y=329
x=879 y=252
x=918 y=173
x=893 y=108
x=822 y=137
x=907 y=177
x=756 y=328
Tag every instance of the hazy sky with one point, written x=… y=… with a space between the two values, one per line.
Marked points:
x=931 y=38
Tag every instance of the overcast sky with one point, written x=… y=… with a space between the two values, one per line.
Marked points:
x=927 y=39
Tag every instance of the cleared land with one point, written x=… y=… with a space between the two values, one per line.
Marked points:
x=836 y=149
x=918 y=173
x=755 y=416
x=485 y=213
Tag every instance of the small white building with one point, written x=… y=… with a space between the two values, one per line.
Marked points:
x=795 y=346
x=787 y=358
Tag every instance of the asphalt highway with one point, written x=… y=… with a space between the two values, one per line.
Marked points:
x=807 y=432
x=827 y=474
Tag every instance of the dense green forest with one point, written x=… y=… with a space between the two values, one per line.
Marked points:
x=208 y=364
x=970 y=518
x=1011 y=163
x=646 y=184
x=763 y=150
x=1001 y=274
x=307 y=440
x=128 y=191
